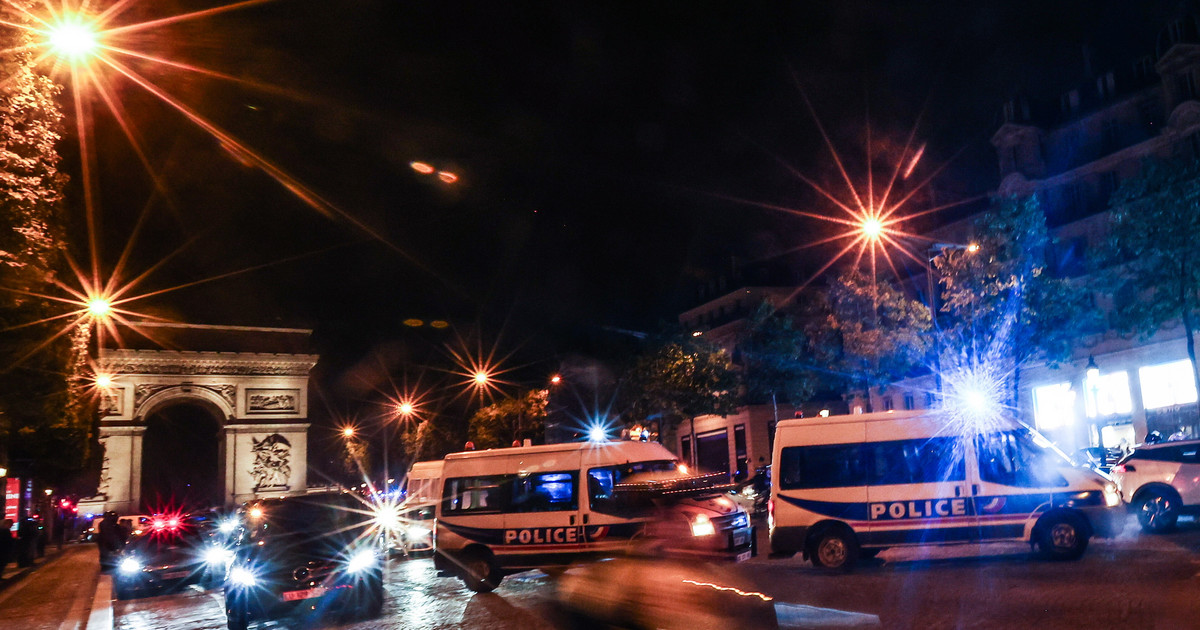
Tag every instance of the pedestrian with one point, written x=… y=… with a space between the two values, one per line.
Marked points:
x=6 y=543
x=108 y=539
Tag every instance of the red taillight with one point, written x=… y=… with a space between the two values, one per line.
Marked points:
x=1119 y=468
x=159 y=524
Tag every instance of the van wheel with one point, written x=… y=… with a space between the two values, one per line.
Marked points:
x=834 y=548
x=479 y=573
x=1062 y=537
x=1157 y=511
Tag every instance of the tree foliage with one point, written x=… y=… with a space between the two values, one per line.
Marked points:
x=1153 y=264
x=47 y=427
x=511 y=419
x=776 y=358
x=879 y=333
x=1000 y=302
x=681 y=378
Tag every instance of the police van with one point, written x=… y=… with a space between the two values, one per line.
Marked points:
x=543 y=507
x=423 y=488
x=850 y=486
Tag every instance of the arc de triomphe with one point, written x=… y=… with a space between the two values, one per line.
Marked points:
x=254 y=381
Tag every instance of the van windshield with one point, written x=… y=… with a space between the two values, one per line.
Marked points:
x=1020 y=458
x=602 y=482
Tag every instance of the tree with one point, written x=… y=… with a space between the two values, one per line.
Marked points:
x=880 y=333
x=1153 y=265
x=511 y=419
x=47 y=425
x=680 y=379
x=999 y=303
x=773 y=356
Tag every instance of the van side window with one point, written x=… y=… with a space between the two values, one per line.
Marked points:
x=825 y=466
x=930 y=460
x=1011 y=458
x=545 y=492
x=467 y=495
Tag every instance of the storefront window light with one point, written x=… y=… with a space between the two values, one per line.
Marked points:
x=1167 y=384
x=1108 y=394
x=1054 y=406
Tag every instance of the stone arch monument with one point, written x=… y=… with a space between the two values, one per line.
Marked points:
x=254 y=381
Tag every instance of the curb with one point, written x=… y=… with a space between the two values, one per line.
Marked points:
x=101 y=615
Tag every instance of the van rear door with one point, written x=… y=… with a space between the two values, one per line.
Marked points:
x=917 y=485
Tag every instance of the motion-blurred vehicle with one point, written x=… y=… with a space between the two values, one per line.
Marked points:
x=1160 y=482
x=171 y=553
x=668 y=594
x=310 y=553
x=850 y=486
x=503 y=511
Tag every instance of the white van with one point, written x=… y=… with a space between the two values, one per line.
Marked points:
x=850 y=486
x=424 y=486
x=508 y=510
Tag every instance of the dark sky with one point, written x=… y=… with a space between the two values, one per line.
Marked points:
x=591 y=141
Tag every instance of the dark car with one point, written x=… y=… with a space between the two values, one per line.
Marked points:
x=307 y=554
x=172 y=553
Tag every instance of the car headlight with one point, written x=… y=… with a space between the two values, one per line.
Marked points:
x=1112 y=497
x=361 y=560
x=228 y=526
x=702 y=526
x=241 y=576
x=129 y=566
x=217 y=556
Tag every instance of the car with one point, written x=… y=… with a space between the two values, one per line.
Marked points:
x=309 y=553
x=1160 y=482
x=170 y=554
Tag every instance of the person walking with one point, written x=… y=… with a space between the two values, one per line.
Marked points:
x=108 y=539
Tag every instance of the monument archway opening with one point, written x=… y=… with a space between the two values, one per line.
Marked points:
x=181 y=458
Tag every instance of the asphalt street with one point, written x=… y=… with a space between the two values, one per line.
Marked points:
x=1133 y=581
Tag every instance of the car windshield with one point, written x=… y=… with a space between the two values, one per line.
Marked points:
x=340 y=515
x=154 y=540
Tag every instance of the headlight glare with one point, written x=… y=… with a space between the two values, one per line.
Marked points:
x=241 y=576
x=217 y=556
x=130 y=565
x=361 y=560
x=702 y=526
x=1112 y=497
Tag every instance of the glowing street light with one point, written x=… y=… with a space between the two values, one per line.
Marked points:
x=99 y=307
x=73 y=39
x=405 y=408
x=481 y=378
x=973 y=247
x=103 y=381
x=556 y=379
x=872 y=228
x=348 y=432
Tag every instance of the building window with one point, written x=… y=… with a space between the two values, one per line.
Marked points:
x=929 y=400
x=1053 y=406
x=739 y=451
x=887 y=403
x=909 y=403
x=1167 y=384
x=1107 y=395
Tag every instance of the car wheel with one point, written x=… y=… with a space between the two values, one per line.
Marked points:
x=1062 y=537
x=479 y=573
x=834 y=548
x=1157 y=511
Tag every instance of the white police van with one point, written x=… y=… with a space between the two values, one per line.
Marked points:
x=513 y=509
x=423 y=488
x=850 y=486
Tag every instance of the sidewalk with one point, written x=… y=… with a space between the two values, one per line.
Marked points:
x=57 y=594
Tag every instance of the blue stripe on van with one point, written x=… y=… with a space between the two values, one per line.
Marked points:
x=832 y=509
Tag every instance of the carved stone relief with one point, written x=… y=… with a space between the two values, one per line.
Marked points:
x=272 y=463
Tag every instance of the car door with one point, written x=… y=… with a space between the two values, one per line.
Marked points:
x=542 y=525
x=1187 y=480
x=1014 y=481
x=917 y=486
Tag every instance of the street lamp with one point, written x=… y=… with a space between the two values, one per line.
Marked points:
x=348 y=432
x=73 y=39
x=99 y=307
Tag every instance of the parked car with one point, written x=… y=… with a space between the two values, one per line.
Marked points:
x=315 y=552
x=171 y=555
x=1160 y=482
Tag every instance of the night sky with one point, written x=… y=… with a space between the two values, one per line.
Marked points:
x=593 y=141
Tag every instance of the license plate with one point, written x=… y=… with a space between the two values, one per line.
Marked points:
x=742 y=557
x=175 y=575
x=291 y=596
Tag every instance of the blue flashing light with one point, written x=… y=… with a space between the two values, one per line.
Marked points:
x=597 y=434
